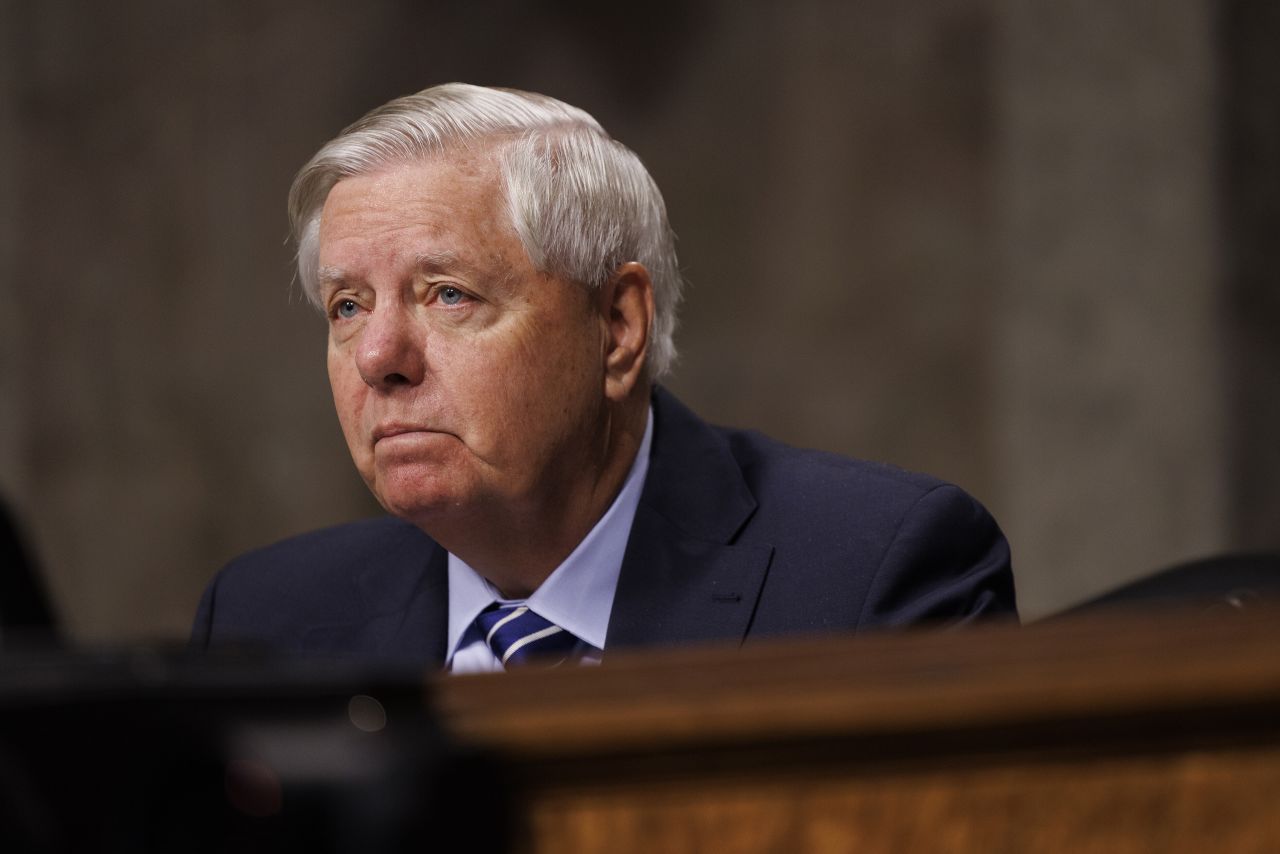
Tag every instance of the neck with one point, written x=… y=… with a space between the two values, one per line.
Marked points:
x=517 y=548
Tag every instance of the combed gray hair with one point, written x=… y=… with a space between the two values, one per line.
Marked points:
x=581 y=202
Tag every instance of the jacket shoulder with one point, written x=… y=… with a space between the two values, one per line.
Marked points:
x=315 y=554
x=895 y=546
x=314 y=579
x=771 y=466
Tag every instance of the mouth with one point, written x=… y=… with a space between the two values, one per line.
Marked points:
x=387 y=431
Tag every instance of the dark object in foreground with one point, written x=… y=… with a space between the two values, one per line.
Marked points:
x=26 y=616
x=1225 y=584
x=146 y=752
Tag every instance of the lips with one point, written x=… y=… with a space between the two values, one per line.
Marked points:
x=386 y=431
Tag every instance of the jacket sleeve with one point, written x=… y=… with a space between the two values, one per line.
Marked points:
x=947 y=562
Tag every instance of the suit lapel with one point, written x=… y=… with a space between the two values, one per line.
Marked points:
x=683 y=579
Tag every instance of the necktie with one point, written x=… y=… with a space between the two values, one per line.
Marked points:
x=517 y=636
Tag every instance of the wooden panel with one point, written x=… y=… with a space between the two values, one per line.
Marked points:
x=1196 y=803
x=1116 y=733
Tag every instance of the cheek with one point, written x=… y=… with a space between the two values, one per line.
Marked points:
x=487 y=390
x=557 y=378
x=512 y=393
x=345 y=383
x=551 y=366
x=570 y=359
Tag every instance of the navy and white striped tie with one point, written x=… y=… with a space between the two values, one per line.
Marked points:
x=517 y=636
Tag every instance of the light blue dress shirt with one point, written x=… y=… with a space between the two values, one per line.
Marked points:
x=577 y=596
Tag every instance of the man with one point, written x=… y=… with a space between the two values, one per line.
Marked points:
x=501 y=287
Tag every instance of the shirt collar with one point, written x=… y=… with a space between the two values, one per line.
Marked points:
x=578 y=595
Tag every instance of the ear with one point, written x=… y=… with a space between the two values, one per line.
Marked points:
x=627 y=309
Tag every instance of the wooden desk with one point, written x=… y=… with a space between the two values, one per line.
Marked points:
x=1119 y=733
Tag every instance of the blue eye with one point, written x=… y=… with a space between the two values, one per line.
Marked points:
x=450 y=295
x=347 y=309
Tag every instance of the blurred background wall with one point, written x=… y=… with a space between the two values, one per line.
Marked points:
x=1026 y=247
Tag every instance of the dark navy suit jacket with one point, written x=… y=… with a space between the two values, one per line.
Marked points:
x=737 y=537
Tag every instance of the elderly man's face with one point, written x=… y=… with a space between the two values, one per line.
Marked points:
x=469 y=386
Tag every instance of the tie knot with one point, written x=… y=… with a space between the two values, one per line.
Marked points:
x=517 y=636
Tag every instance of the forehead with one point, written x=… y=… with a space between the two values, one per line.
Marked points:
x=447 y=205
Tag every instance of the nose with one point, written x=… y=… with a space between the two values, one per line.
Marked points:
x=390 y=352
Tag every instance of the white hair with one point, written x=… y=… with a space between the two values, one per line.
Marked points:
x=581 y=202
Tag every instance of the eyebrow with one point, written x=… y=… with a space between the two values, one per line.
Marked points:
x=329 y=275
x=441 y=261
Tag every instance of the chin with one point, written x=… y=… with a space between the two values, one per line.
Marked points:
x=419 y=500
x=417 y=507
